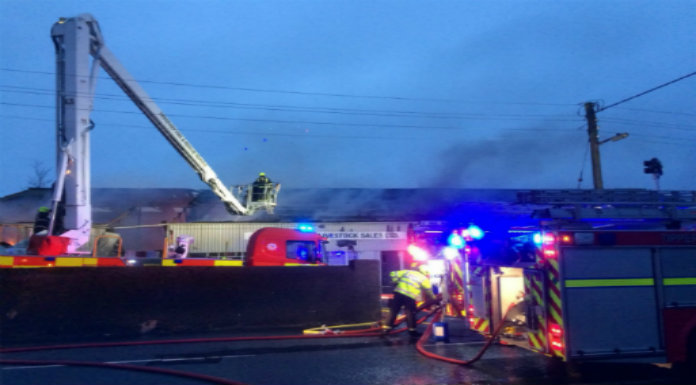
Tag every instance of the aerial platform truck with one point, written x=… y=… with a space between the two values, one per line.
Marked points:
x=76 y=40
x=593 y=281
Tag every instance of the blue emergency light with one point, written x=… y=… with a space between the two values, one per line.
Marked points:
x=305 y=227
x=471 y=233
x=537 y=239
x=455 y=240
x=475 y=232
x=543 y=239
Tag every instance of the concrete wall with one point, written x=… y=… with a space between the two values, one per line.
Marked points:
x=41 y=305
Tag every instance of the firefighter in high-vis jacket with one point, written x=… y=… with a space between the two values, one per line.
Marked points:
x=261 y=187
x=42 y=220
x=410 y=287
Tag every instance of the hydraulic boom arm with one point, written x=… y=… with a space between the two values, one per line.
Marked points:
x=117 y=72
x=76 y=39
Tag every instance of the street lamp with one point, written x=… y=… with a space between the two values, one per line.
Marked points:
x=616 y=138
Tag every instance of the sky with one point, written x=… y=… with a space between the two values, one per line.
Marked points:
x=366 y=93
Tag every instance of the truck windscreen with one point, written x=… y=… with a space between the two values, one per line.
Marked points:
x=306 y=251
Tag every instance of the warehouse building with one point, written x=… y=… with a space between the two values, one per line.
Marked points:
x=358 y=223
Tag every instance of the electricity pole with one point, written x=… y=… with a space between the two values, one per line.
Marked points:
x=593 y=133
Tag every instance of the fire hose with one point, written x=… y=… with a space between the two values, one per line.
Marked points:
x=147 y=369
x=373 y=331
x=369 y=332
x=489 y=342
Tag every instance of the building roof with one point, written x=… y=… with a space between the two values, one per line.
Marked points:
x=109 y=205
x=126 y=209
x=115 y=206
x=355 y=204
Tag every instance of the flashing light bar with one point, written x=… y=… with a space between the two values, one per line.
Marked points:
x=305 y=228
x=456 y=241
x=417 y=253
x=543 y=239
x=450 y=253
x=537 y=239
x=472 y=233
x=475 y=232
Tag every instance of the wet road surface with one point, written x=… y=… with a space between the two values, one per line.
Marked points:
x=359 y=360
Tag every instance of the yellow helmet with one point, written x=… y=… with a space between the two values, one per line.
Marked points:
x=43 y=209
x=262 y=174
x=421 y=267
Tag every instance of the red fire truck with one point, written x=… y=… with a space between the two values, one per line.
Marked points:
x=272 y=246
x=593 y=294
x=604 y=284
x=70 y=224
x=588 y=280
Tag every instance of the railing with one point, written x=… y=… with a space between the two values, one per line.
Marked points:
x=257 y=197
x=95 y=248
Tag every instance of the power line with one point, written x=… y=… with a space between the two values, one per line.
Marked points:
x=291 y=108
x=665 y=137
x=280 y=121
x=671 y=126
x=307 y=93
x=656 y=112
x=262 y=134
x=313 y=135
x=646 y=92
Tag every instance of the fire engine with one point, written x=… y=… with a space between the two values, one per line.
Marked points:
x=268 y=246
x=67 y=241
x=76 y=39
x=285 y=247
x=591 y=281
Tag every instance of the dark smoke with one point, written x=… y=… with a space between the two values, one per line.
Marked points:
x=516 y=160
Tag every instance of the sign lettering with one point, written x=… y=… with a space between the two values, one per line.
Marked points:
x=374 y=235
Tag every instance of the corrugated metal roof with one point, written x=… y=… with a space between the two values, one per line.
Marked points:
x=148 y=206
x=364 y=205
x=115 y=206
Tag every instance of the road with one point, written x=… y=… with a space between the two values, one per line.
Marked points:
x=360 y=360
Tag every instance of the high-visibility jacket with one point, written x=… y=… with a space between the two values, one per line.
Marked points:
x=411 y=284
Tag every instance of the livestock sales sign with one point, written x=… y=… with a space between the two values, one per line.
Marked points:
x=378 y=235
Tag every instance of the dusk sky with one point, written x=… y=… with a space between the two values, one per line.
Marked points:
x=366 y=93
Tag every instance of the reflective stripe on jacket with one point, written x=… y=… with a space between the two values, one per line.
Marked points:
x=411 y=284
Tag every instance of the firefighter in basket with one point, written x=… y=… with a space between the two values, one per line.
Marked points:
x=261 y=188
